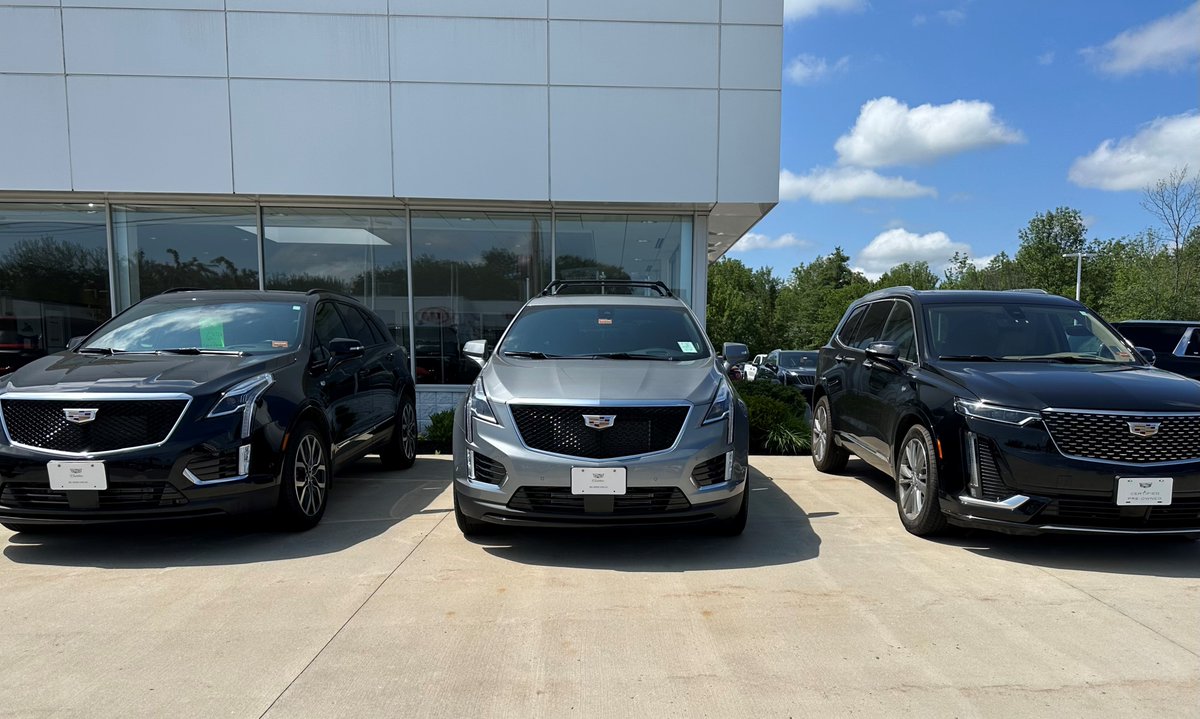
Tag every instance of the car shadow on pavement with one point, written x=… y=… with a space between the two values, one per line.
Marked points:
x=777 y=532
x=1148 y=555
x=365 y=502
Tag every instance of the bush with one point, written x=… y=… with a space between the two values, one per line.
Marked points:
x=790 y=396
x=775 y=426
x=440 y=432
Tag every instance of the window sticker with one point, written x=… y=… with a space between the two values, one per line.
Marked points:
x=687 y=347
x=279 y=344
x=212 y=334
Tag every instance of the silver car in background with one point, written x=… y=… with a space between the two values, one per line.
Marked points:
x=604 y=404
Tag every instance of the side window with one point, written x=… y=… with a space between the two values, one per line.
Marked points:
x=847 y=333
x=376 y=328
x=901 y=330
x=773 y=359
x=871 y=328
x=357 y=325
x=329 y=325
x=1193 y=346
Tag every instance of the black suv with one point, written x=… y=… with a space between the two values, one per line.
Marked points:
x=1176 y=344
x=195 y=403
x=790 y=367
x=1017 y=411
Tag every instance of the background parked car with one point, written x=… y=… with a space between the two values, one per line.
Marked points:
x=751 y=369
x=791 y=367
x=1176 y=344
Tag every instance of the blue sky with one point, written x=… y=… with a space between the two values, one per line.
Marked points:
x=915 y=128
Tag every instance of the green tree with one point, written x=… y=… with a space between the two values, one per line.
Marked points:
x=815 y=297
x=741 y=305
x=913 y=274
x=1044 y=241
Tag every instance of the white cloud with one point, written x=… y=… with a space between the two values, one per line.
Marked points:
x=1132 y=163
x=846 y=184
x=1169 y=43
x=801 y=9
x=919 y=20
x=888 y=132
x=752 y=241
x=982 y=262
x=809 y=69
x=1046 y=58
x=953 y=17
x=893 y=247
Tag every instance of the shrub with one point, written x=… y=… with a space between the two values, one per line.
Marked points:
x=777 y=426
x=440 y=432
x=787 y=394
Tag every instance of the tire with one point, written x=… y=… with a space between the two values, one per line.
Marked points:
x=469 y=526
x=735 y=525
x=917 y=484
x=24 y=528
x=305 y=481
x=400 y=452
x=827 y=456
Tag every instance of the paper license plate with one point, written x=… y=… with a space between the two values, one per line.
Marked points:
x=597 y=480
x=1144 y=490
x=77 y=475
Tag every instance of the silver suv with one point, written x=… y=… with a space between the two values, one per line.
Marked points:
x=604 y=404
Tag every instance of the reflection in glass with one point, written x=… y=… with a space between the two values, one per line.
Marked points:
x=208 y=248
x=625 y=247
x=361 y=253
x=472 y=272
x=53 y=278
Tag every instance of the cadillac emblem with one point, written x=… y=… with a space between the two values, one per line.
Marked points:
x=1144 y=429
x=80 y=416
x=599 y=421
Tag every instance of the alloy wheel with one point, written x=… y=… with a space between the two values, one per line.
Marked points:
x=408 y=429
x=820 y=433
x=310 y=475
x=914 y=478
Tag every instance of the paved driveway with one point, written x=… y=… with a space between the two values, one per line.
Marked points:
x=825 y=607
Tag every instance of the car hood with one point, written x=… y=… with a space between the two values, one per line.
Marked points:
x=71 y=372
x=600 y=380
x=1038 y=386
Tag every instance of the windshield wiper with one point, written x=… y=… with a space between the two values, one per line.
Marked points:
x=1070 y=359
x=97 y=351
x=971 y=358
x=200 y=351
x=628 y=356
x=530 y=355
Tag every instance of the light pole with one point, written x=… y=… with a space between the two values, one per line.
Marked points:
x=1078 y=270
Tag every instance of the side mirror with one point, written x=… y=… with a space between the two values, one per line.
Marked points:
x=477 y=350
x=344 y=349
x=735 y=352
x=75 y=342
x=884 y=351
x=1147 y=354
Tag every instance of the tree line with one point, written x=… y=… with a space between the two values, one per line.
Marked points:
x=1152 y=275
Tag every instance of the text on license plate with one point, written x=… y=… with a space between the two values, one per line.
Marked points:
x=77 y=475
x=1144 y=490
x=597 y=480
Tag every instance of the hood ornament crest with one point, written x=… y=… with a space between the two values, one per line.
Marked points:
x=79 y=416
x=1144 y=429
x=599 y=421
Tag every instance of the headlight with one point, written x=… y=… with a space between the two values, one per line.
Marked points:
x=721 y=406
x=478 y=403
x=241 y=398
x=1005 y=415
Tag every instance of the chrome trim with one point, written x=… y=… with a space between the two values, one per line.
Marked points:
x=1010 y=504
x=1119 y=413
x=97 y=397
x=601 y=403
x=1101 y=530
x=204 y=483
x=1122 y=413
x=842 y=436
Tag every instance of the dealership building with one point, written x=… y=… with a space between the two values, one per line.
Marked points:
x=440 y=160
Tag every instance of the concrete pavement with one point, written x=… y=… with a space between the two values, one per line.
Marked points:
x=825 y=607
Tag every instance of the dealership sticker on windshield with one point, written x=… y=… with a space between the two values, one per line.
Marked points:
x=1144 y=490
x=687 y=347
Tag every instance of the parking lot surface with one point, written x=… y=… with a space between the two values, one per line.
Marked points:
x=825 y=607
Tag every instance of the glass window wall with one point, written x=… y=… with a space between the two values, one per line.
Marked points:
x=629 y=247
x=53 y=278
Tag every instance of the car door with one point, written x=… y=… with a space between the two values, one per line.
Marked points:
x=769 y=370
x=376 y=383
x=886 y=387
x=835 y=369
x=855 y=412
x=337 y=380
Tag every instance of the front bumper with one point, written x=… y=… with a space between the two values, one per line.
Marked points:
x=660 y=489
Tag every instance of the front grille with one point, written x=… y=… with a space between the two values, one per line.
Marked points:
x=131 y=495
x=635 y=430
x=217 y=466
x=990 y=484
x=1108 y=436
x=807 y=379
x=635 y=501
x=709 y=472
x=1182 y=513
x=118 y=424
x=489 y=470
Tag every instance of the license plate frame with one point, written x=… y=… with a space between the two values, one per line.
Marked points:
x=74 y=476
x=1144 y=491
x=598 y=480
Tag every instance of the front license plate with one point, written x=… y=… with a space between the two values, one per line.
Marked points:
x=77 y=475
x=597 y=480
x=1144 y=490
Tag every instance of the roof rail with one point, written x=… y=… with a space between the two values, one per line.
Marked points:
x=556 y=286
x=1033 y=290
x=319 y=290
x=173 y=290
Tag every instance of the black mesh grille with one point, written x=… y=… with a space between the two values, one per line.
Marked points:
x=807 y=379
x=635 y=501
x=709 y=472
x=635 y=430
x=1182 y=513
x=1109 y=437
x=118 y=423
x=133 y=495
x=489 y=470
x=990 y=484
x=217 y=466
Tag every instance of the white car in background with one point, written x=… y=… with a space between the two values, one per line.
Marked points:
x=751 y=369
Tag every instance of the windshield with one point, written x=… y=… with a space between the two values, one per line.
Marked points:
x=1022 y=332
x=593 y=331
x=227 y=327
x=798 y=360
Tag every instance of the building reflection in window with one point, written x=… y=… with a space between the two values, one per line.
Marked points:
x=362 y=253
x=630 y=247
x=53 y=278
x=207 y=248
x=472 y=272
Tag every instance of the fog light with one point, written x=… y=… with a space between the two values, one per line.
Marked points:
x=243 y=460
x=470 y=464
x=728 y=466
x=973 y=466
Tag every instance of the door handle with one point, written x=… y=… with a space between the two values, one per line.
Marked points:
x=868 y=364
x=848 y=359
